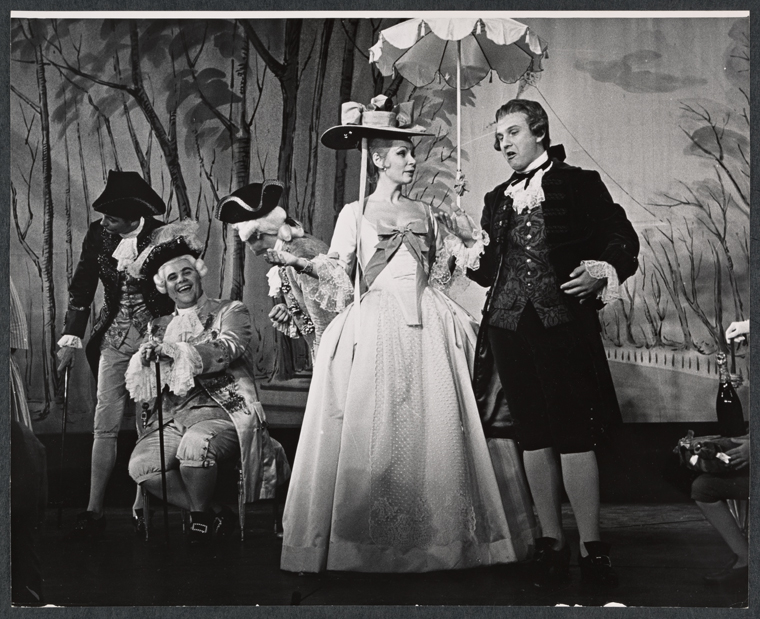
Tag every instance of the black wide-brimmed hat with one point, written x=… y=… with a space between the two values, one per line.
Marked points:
x=127 y=195
x=250 y=202
x=167 y=243
x=358 y=121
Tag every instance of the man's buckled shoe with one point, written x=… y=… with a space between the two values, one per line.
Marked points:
x=596 y=568
x=551 y=567
x=200 y=528
x=87 y=527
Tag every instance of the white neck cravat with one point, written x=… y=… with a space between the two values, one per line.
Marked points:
x=126 y=252
x=185 y=325
x=528 y=194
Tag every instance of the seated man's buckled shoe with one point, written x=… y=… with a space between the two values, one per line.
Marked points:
x=87 y=527
x=596 y=568
x=551 y=567
x=200 y=528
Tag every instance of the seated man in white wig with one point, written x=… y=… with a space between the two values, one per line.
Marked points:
x=255 y=214
x=210 y=402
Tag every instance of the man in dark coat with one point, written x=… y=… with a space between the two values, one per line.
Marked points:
x=111 y=244
x=559 y=245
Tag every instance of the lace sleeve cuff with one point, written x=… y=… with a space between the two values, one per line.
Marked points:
x=179 y=375
x=599 y=270
x=187 y=364
x=465 y=258
x=70 y=341
x=332 y=288
x=140 y=379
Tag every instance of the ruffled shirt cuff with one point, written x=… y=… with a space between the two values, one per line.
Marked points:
x=465 y=258
x=179 y=375
x=332 y=288
x=599 y=270
x=70 y=341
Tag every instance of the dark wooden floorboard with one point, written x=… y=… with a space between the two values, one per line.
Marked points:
x=661 y=553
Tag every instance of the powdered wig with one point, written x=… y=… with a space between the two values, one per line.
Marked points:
x=275 y=223
x=160 y=277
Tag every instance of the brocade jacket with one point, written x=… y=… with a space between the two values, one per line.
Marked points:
x=97 y=264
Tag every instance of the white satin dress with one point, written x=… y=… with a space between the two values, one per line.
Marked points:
x=392 y=471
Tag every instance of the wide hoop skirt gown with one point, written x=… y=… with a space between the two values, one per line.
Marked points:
x=392 y=471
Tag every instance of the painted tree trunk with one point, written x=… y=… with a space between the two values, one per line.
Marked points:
x=48 y=285
x=346 y=81
x=241 y=161
x=168 y=146
x=310 y=203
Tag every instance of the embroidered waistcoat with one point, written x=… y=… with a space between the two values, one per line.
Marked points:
x=527 y=274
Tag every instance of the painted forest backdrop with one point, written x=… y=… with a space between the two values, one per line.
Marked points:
x=201 y=107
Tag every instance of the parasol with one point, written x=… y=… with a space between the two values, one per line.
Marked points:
x=462 y=51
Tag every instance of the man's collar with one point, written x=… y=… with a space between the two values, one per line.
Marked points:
x=136 y=231
x=201 y=302
x=537 y=162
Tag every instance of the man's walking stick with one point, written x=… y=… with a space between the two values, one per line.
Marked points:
x=160 y=409
x=64 y=417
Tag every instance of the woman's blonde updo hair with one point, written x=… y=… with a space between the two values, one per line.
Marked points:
x=379 y=146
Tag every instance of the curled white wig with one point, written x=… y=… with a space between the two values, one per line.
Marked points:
x=160 y=277
x=273 y=223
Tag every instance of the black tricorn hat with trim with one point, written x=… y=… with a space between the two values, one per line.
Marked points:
x=163 y=253
x=167 y=243
x=250 y=202
x=127 y=195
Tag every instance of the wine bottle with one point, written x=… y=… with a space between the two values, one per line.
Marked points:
x=727 y=405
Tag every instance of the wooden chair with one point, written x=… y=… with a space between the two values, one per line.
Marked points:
x=241 y=504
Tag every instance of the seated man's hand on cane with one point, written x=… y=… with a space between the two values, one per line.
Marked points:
x=65 y=356
x=150 y=352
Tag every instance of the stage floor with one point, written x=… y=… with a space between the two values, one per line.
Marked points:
x=660 y=552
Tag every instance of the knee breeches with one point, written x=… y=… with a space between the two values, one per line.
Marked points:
x=200 y=445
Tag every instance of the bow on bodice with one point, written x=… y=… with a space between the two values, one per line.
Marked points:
x=416 y=236
x=413 y=234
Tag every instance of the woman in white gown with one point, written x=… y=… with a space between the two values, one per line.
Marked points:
x=392 y=471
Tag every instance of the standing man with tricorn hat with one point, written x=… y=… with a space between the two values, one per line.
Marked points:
x=255 y=213
x=111 y=244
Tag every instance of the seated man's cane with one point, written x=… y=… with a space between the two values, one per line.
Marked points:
x=64 y=416
x=160 y=409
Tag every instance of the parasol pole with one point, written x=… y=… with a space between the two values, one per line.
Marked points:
x=360 y=216
x=459 y=121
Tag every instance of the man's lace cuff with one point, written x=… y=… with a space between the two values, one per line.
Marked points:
x=179 y=375
x=599 y=270
x=465 y=258
x=332 y=288
x=70 y=341
x=187 y=365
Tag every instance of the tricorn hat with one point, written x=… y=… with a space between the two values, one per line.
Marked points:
x=250 y=202
x=167 y=243
x=127 y=195
x=381 y=119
